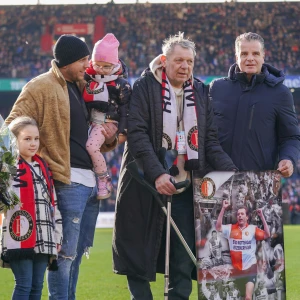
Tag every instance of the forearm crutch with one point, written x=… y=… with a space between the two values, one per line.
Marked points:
x=138 y=174
x=169 y=220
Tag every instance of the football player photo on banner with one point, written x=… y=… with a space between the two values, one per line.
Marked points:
x=239 y=235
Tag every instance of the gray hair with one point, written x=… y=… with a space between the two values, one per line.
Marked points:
x=178 y=39
x=19 y=123
x=249 y=36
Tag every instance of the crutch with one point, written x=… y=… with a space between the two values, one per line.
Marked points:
x=166 y=158
x=137 y=173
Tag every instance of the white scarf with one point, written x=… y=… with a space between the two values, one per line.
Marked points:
x=170 y=121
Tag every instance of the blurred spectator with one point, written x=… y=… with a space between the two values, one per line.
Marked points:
x=113 y=161
x=294 y=213
x=291 y=195
x=139 y=29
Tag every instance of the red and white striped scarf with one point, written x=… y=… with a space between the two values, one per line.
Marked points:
x=21 y=220
x=96 y=88
x=170 y=123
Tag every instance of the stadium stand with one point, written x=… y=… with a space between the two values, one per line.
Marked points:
x=142 y=27
x=27 y=34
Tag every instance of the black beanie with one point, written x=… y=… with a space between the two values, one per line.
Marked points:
x=69 y=49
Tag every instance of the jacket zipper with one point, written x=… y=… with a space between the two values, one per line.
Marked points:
x=251 y=116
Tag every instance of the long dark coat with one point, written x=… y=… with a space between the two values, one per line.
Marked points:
x=139 y=219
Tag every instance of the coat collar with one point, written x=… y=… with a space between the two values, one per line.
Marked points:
x=56 y=72
x=269 y=75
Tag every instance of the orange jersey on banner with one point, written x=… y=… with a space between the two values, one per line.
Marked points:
x=242 y=244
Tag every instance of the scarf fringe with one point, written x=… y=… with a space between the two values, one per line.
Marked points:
x=18 y=254
x=191 y=165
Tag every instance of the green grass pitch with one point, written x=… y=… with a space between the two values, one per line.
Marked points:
x=97 y=281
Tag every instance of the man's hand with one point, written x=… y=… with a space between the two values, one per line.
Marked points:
x=164 y=186
x=286 y=168
x=122 y=138
x=109 y=130
x=58 y=247
x=225 y=204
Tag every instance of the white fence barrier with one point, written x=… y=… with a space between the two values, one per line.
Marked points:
x=105 y=220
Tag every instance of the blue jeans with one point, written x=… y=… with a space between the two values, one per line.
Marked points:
x=29 y=277
x=79 y=209
x=181 y=265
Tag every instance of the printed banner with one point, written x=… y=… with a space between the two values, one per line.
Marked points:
x=239 y=235
x=79 y=29
x=12 y=84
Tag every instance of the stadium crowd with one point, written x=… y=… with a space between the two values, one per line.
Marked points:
x=141 y=28
x=291 y=195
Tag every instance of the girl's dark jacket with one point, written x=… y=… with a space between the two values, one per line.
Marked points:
x=139 y=219
x=256 y=120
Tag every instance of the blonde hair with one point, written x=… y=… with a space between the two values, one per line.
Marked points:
x=19 y=123
x=178 y=39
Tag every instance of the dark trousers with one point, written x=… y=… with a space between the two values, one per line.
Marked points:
x=181 y=265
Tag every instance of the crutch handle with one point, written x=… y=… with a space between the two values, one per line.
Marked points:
x=181 y=184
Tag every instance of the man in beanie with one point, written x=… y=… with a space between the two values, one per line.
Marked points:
x=54 y=100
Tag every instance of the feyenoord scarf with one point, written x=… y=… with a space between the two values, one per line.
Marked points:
x=21 y=220
x=170 y=123
x=96 y=88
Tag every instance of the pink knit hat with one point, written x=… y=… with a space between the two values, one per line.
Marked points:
x=106 y=50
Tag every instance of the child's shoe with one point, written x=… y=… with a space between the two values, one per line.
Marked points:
x=104 y=187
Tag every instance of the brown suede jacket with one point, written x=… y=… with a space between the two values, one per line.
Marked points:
x=45 y=98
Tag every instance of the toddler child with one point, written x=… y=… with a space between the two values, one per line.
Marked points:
x=107 y=94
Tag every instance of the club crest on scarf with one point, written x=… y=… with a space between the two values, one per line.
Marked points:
x=20 y=226
x=167 y=143
x=193 y=138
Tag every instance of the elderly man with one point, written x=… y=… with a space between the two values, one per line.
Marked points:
x=254 y=111
x=167 y=105
x=54 y=100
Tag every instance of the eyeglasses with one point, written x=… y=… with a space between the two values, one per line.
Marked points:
x=104 y=68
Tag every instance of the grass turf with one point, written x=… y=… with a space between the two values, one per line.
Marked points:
x=97 y=281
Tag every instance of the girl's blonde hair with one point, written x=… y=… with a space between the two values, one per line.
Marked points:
x=19 y=123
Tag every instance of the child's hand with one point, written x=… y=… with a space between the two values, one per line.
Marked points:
x=58 y=247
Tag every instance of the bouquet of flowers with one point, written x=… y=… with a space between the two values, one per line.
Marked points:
x=8 y=167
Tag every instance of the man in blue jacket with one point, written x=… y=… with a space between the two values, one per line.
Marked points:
x=254 y=111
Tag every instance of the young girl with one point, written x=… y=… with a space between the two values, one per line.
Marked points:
x=32 y=230
x=107 y=94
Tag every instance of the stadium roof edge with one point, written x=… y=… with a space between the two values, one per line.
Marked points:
x=84 y=2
